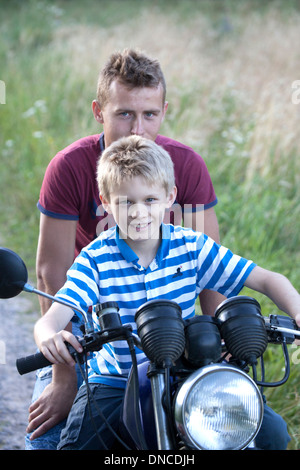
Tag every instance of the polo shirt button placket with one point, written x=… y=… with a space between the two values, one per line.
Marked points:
x=153 y=265
x=147 y=286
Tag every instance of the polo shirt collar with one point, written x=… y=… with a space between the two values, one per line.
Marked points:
x=164 y=246
x=125 y=249
x=101 y=142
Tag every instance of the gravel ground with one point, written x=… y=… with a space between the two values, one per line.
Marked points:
x=17 y=319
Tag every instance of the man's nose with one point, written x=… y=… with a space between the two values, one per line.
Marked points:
x=137 y=127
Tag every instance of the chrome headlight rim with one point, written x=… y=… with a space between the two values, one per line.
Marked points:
x=182 y=397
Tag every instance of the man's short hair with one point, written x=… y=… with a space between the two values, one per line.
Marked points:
x=133 y=69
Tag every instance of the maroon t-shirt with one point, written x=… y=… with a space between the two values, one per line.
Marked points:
x=70 y=192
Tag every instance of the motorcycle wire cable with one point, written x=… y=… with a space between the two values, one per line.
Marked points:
x=286 y=375
x=90 y=398
x=168 y=405
x=261 y=383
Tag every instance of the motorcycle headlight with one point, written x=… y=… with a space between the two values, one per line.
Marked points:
x=218 y=407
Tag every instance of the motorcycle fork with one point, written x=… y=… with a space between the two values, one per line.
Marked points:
x=163 y=434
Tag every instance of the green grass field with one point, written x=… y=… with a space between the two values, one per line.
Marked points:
x=230 y=67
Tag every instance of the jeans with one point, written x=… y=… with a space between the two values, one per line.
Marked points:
x=79 y=433
x=50 y=439
x=273 y=433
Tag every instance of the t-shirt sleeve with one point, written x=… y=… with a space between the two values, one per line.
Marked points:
x=58 y=196
x=195 y=190
x=81 y=287
x=221 y=270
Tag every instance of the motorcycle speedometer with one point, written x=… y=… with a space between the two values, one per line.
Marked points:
x=218 y=407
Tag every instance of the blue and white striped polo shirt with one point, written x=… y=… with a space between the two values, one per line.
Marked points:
x=108 y=270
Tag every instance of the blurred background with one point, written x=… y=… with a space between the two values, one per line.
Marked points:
x=233 y=87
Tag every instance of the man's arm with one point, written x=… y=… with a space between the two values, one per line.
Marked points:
x=55 y=255
x=206 y=222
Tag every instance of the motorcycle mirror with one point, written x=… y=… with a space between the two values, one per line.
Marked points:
x=13 y=274
x=13 y=280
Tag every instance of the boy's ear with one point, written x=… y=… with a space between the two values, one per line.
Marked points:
x=105 y=204
x=172 y=197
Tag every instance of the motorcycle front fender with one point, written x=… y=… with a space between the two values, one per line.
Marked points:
x=128 y=424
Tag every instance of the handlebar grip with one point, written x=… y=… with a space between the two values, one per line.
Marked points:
x=30 y=363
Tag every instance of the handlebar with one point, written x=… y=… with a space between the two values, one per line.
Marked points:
x=89 y=342
x=279 y=329
x=30 y=363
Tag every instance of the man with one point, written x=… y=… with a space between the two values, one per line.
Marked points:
x=131 y=99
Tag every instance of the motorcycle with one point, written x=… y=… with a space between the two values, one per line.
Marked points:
x=194 y=391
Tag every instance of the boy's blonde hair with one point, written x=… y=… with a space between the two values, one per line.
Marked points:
x=134 y=156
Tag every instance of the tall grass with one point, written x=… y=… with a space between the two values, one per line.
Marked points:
x=229 y=67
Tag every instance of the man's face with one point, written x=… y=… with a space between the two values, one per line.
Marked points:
x=138 y=111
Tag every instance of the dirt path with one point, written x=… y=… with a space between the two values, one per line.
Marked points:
x=16 y=340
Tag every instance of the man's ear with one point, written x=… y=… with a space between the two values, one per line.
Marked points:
x=97 y=111
x=105 y=204
x=165 y=107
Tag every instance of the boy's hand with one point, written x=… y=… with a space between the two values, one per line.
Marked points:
x=55 y=350
x=297 y=319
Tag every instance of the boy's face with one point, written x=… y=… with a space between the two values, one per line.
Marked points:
x=138 y=111
x=138 y=209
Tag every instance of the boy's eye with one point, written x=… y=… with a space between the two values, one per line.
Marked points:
x=124 y=202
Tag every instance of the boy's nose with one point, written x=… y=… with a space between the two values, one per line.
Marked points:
x=137 y=210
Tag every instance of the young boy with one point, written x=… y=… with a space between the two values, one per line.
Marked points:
x=138 y=260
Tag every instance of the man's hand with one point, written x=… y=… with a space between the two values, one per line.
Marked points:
x=53 y=405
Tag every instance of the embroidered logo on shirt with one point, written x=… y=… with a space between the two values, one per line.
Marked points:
x=178 y=272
